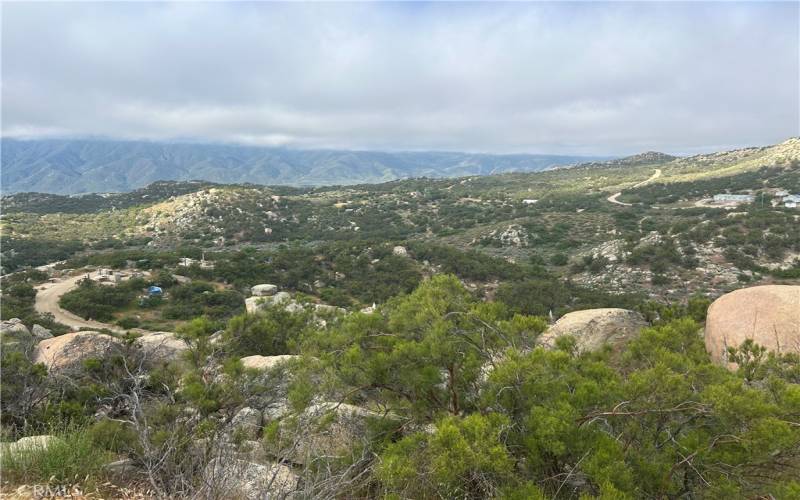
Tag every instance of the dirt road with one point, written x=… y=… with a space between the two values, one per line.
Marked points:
x=613 y=197
x=47 y=297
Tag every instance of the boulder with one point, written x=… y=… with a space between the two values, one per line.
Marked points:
x=255 y=304
x=769 y=315
x=235 y=478
x=328 y=309
x=66 y=353
x=264 y=290
x=267 y=362
x=273 y=375
x=159 y=347
x=28 y=444
x=322 y=430
x=595 y=328
x=294 y=307
x=216 y=338
x=41 y=333
x=400 y=251
x=121 y=468
x=247 y=422
x=14 y=336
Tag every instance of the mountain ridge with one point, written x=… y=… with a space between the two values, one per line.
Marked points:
x=62 y=166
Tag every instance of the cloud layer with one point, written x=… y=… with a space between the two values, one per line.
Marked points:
x=537 y=77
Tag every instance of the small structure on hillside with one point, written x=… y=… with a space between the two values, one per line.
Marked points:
x=109 y=276
x=189 y=262
x=154 y=290
x=791 y=201
x=529 y=201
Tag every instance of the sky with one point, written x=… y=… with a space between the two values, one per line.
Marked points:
x=559 y=78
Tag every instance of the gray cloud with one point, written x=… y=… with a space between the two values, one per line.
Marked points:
x=579 y=78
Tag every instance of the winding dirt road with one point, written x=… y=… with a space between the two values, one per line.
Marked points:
x=47 y=297
x=613 y=198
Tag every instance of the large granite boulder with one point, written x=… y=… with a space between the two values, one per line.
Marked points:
x=14 y=336
x=255 y=304
x=235 y=478
x=264 y=290
x=40 y=333
x=67 y=353
x=160 y=347
x=595 y=328
x=769 y=315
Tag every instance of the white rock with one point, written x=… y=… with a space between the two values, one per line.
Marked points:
x=41 y=333
x=161 y=346
x=328 y=309
x=15 y=336
x=248 y=422
x=264 y=290
x=267 y=362
x=255 y=304
x=235 y=478
x=323 y=430
x=594 y=328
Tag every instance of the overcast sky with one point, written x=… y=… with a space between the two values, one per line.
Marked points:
x=602 y=78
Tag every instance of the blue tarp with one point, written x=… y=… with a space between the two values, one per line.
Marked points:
x=155 y=290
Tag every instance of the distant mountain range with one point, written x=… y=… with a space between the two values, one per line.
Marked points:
x=97 y=166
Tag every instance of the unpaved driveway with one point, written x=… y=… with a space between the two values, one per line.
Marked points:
x=47 y=296
x=613 y=197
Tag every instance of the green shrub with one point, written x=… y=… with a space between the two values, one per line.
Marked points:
x=71 y=456
x=113 y=435
x=129 y=322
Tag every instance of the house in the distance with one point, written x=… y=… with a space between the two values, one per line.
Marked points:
x=791 y=201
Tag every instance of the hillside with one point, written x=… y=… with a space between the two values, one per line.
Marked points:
x=661 y=230
x=95 y=166
x=240 y=340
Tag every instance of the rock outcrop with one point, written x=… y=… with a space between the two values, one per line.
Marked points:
x=246 y=422
x=323 y=430
x=769 y=315
x=160 y=347
x=235 y=478
x=595 y=328
x=267 y=362
x=15 y=336
x=41 y=333
x=66 y=353
x=264 y=290
x=255 y=304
